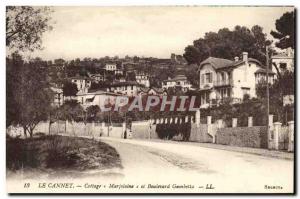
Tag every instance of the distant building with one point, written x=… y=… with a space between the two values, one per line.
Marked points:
x=284 y=61
x=97 y=78
x=98 y=97
x=110 y=67
x=130 y=66
x=128 y=88
x=179 y=81
x=118 y=72
x=222 y=79
x=143 y=79
x=58 y=96
x=83 y=83
x=152 y=91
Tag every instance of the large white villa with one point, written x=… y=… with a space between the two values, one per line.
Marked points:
x=223 y=78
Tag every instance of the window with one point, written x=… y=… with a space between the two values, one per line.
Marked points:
x=228 y=92
x=208 y=77
x=202 y=79
x=246 y=91
x=222 y=77
x=283 y=66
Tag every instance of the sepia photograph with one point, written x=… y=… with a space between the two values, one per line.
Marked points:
x=150 y=99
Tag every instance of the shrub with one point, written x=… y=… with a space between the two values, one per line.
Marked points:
x=168 y=131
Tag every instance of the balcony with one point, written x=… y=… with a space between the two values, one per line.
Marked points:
x=217 y=102
x=227 y=82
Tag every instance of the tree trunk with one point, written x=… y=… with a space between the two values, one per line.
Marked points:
x=50 y=127
x=277 y=69
x=25 y=133
x=30 y=130
x=31 y=133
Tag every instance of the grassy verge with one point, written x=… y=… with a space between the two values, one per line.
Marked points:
x=60 y=153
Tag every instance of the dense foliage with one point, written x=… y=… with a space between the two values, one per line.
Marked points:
x=168 y=131
x=28 y=93
x=228 y=44
x=285 y=31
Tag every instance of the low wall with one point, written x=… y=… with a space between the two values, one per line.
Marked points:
x=283 y=138
x=255 y=137
x=140 y=130
x=72 y=128
x=199 y=133
x=143 y=130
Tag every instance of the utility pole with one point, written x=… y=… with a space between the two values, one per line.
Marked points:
x=268 y=94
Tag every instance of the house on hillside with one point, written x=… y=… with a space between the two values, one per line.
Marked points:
x=143 y=79
x=221 y=79
x=83 y=83
x=152 y=91
x=58 y=96
x=96 y=97
x=110 y=67
x=179 y=81
x=284 y=61
x=97 y=78
x=128 y=88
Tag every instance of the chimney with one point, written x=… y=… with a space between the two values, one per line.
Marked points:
x=236 y=58
x=245 y=56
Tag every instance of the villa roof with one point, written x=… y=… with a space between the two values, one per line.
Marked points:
x=177 y=77
x=219 y=63
x=146 y=90
x=97 y=92
x=127 y=83
x=263 y=70
x=283 y=55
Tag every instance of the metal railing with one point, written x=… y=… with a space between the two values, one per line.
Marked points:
x=223 y=82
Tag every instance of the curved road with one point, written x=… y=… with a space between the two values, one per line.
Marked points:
x=161 y=163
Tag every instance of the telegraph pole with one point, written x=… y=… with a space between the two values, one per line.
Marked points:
x=268 y=94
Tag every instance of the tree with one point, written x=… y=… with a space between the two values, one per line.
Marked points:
x=25 y=26
x=69 y=89
x=71 y=110
x=227 y=44
x=28 y=93
x=92 y=111
x=285 y=31
x=281 y=87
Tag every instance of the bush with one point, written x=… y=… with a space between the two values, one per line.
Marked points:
x=60 y=152
x=168 y=131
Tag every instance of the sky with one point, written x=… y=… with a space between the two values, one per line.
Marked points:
x=96 y=32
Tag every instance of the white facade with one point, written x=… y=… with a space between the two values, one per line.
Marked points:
x=98 y=78
x=118 y=72
x=99 y=98
x=224 y=79
x=83 y=84
x=143 y=79
x=58 y=96
x=125 y=88
x=111 y=67
x=284 y=61
x=179 y=81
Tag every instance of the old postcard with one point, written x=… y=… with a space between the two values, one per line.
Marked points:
x=150 y=99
